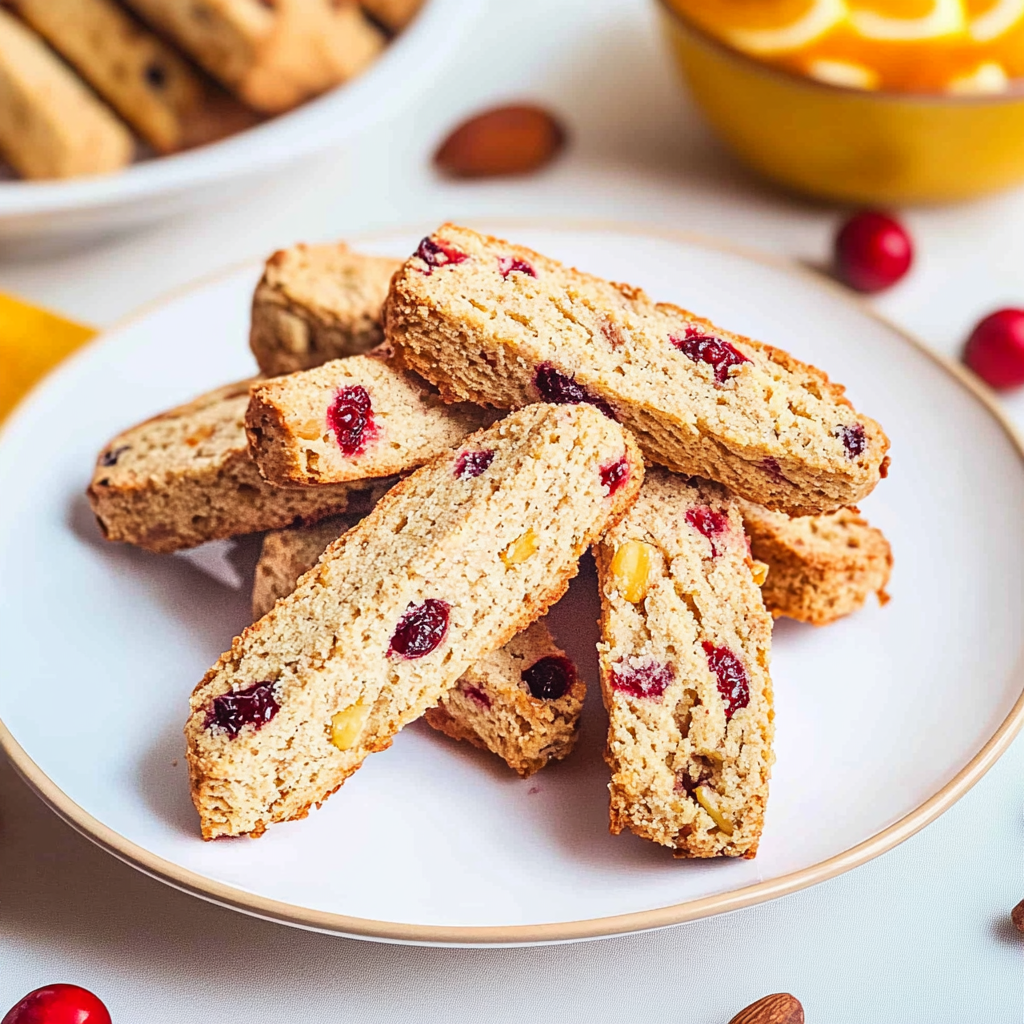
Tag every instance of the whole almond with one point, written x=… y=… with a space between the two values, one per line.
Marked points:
x=780 y=1008
x=503 y=140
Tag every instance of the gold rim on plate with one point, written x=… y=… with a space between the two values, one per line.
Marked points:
x=601 y=927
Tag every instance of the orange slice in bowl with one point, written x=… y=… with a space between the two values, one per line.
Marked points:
x=769 y=27
x=990 y=19
x=907 y=20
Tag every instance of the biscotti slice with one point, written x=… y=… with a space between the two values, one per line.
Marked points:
x=350 y=419
x=51 y=125
x=185 y=477
x=451 y=564
x=498 y=324
x=394 y=15
x=685 y=643
x=522 y=702
x=820 y=568
x=315 y=303
x=139 y=75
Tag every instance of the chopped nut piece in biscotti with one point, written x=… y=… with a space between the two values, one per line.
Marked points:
x=494 y=323
x=820 y=568
x=684 y=673
x=397 y=610
x=186 y=477
x=521 y=702
x=350 y=419
x=315 y=303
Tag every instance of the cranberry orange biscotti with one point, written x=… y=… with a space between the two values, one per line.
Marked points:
x=820 y=568
x=185 y=477
x=315 y=303
x=494 y=323
x=399 y=608
x=685 y=643
x=521 y=702
x=348 y=420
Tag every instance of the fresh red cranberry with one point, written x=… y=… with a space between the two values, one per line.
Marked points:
x=707 y=521
x=703 y=348
x=351 y=419
x=58 y=1004
x=995 y=349
x=477 y=696
x=650 y=680
x=550 y=677
x=255 y=705
x=615 y=475
x=473 y=463
x=854 y=439
x=555 y=386
x=731 y=676
x=420 y=630
x=438 y=254
x=872 y=251
x=773 y=469
x=509 y=265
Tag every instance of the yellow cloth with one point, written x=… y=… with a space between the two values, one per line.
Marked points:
x=32 y=342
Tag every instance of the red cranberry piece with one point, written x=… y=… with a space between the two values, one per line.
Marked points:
x=58 y=1004
x=509 y=265
x=473 y=463
x=438 y=254
x=351 y=419
x=731 y=676
x=995 y=349
x=703 y=348
x=255 y=705
x=420 y=630
x=477 y=696
x=554 y=386
x=615 y=475
x=854 y=439
x=550 y=677
x=773 y=469
x=872 y=251
x=708 y=522
x=650 y=680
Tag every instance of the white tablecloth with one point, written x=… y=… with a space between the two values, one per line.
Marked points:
x=921 y=934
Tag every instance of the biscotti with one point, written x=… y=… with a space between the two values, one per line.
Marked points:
x=394 y=15
x=521 y=702
x=451 y=564
x=315 y=303
x=186 y=477
x=820 y=568
x=350 y=419
x=51 y=125
x=151 y=87
x=494 y=323
x=685 y=645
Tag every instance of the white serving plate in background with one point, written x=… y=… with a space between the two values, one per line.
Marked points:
x=884 y=719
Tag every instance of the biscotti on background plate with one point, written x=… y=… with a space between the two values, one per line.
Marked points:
x=521 y=702
x=684 y=652
x=451 y=564
x=497 y=324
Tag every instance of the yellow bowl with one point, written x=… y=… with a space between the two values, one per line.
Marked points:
x=848 y=144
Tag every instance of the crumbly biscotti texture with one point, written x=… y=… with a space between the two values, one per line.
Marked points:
x=351 y=419
x=394 y=15
x=820 y=568
x=448 y=567
x=492 y=705
x=685 y=645
x=139 y=75
x=185 y=477
x=315 y=303
x=274 y=56
x=51 y=125
x=494 y=323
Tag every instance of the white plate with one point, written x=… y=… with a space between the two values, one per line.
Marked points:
x=884 y=720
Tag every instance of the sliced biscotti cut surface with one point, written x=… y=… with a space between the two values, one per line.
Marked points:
x=685 y=645
x=491 y=322
x=820 y=568
x=451 y=564
x=185 y=477
x=350 y=419
x=315 y=303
